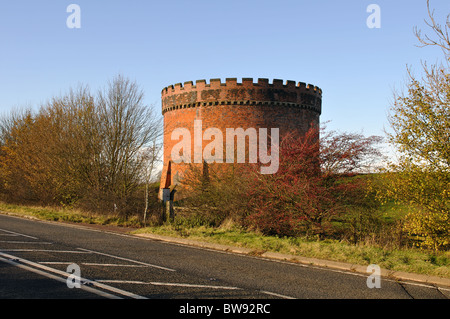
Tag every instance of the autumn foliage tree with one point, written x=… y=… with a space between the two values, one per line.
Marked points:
x=420 y=119
x=80 y=149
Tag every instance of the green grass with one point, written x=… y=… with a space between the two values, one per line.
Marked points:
x=67 y=215
x=406 y=259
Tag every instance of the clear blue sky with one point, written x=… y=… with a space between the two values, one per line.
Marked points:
x=158 y=43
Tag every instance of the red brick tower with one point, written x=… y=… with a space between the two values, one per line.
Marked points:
x=287 y=106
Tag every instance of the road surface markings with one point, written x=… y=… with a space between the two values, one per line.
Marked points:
x=192 y=285
x=90 y=264
x=113 y=281
x=185 y=285
x=47 y=250
x=46 y=271
x=18 y=234
x=113 y=265
x=421 y=285
x=25 y=242
x=51 y=276
x=168 y=284
x=126 y=259
x=276 y=295
x=347 y=272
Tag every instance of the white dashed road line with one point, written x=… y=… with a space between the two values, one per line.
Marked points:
x=18 y=234
x=25 y=242
x=168 y=284
x=47 y=250
x=277 y=295
x=90 y=264
x=126 y=259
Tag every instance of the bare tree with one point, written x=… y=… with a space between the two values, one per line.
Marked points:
x=149 y=158
x=442 y=39
x=128 y=126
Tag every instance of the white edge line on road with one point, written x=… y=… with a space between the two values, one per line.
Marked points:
x=88 y=264
x=127 y=259
x=65 y=274
x=113 y=281
x=18 y=234
x=277 y=295
x=113 y=265
x=168 y=284
x=48 y=250
x=25 y=242
x=192 y=285
x=48 y=275
x=421 y=285
x=345 y=272
x=444 y=289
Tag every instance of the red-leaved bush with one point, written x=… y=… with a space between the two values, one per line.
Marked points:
x=313 y=185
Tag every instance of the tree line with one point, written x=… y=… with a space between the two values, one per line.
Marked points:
x=82 y=149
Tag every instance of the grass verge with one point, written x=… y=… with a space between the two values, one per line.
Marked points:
x=68 y=215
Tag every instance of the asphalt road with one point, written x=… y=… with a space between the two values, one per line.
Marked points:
x=35 y=255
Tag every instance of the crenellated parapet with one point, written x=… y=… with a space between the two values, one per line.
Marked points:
x=246 y=92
